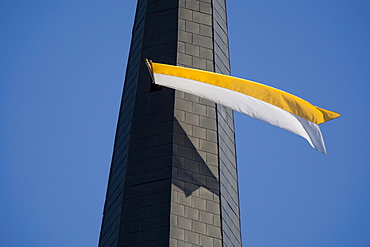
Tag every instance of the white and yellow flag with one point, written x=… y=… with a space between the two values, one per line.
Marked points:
x=256 y=100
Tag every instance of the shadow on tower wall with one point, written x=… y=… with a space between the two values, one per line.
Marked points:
x=190 y=169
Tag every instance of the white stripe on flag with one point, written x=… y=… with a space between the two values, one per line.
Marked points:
x=248 y=105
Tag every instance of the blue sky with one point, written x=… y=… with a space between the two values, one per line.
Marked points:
x=61 y=71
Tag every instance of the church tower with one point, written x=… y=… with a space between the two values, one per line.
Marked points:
x=173 y=177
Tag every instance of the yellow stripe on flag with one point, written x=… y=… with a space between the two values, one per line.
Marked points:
x=279 y=98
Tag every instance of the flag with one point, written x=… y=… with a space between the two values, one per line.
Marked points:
x=256 y=100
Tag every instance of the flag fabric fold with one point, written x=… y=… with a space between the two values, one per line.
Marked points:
x=256 y=100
